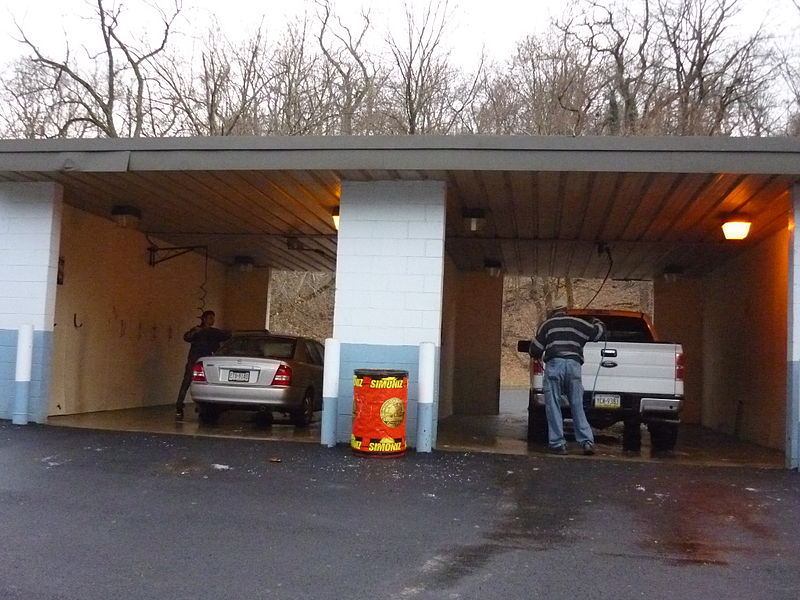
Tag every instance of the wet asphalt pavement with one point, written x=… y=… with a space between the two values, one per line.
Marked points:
x=88 y=515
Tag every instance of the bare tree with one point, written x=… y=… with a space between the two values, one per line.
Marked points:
x=627 y=63
x=223 y=93
x=31 y=100
x=110 y=99
x=716 y=80
x=674 y=69
x=299 y=96
x=355 y=73
x=427 y=93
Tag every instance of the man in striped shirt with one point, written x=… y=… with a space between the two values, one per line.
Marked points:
x=559 y=343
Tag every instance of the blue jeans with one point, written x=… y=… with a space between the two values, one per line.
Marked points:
x=562 y=376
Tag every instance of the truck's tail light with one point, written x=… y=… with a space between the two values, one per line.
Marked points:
x=198 y=373
x=680 y=366
x=283 y=376
x=538 y=367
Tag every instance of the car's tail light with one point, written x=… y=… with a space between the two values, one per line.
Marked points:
x=538 y=367
x=680 y=365
x=198 y=373
x=283 y=376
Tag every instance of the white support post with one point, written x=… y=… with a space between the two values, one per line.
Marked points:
x=793 y=384
x=427 y=382
x=330 y=393
x=24 y=366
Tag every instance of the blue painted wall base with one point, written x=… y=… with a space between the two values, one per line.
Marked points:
x=39 y=387
x=369 y=356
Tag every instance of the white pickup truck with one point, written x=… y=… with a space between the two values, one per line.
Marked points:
x=629 y=376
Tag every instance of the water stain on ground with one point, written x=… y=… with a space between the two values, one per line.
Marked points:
x=184 y=466
x=705 y=523
x=525 y=517
x=675 y=519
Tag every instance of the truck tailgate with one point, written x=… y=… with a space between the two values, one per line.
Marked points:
x=631 y=367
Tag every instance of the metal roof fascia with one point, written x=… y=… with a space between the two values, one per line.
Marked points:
x=471 y=159
x=413 y=142
x=91 y=162
x=489 y=153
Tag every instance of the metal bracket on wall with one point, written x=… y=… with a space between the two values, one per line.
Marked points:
x=294 y=243
x=155 y=258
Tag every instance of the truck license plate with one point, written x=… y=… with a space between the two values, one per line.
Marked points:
x=239 y=376
x=606 y=401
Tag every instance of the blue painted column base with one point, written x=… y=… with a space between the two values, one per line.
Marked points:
x=328 y=428
x=424 y=427
x=793 y=418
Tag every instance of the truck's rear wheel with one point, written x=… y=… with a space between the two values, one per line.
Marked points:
x=632 y=435
x=537 y=423
x=663 y=437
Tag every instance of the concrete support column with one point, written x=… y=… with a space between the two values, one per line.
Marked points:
x=389 y=273
x=476 y=355
x=674 y=323
x=793 y=368
x=246 y=298
x=30 y=229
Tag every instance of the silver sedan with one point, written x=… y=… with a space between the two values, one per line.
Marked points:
x=260 y=371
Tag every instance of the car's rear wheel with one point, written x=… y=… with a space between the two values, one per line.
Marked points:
x=303 y=416
x=263 y=418
x=208 y=414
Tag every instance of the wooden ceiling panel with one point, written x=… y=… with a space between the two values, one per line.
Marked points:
x=705 y=206
x=604 y=189
x=574 y=204
x=496 y=191
x=548 y=204
x=544 y=223
x=681 y=197
x=522 y=199
x=627 y=197
x=659 y=190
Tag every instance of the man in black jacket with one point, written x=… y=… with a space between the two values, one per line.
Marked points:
x=205 y=339
x=559 y=343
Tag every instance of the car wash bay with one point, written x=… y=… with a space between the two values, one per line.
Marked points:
x=408 y=270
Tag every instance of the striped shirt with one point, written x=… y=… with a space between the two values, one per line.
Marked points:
x=564 y=337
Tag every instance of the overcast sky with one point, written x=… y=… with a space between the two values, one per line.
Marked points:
x=497 y=24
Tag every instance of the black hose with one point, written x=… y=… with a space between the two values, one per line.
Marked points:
x=608 y=273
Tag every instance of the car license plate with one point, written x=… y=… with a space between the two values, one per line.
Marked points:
x=606 y=401
x=239 y=376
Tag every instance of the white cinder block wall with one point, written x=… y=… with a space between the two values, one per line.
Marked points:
x=30 y=226
x=389 y=276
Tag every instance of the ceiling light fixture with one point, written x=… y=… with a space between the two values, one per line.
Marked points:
x=474 y=219
x=245 y=264
x=494 y=268
x=736 y=228
x=127 y=217
x=672 y=273
x=335 y=215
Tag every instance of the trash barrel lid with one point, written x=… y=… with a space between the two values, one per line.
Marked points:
x=380 y=373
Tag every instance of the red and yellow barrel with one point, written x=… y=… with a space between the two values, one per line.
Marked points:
x=380 y=405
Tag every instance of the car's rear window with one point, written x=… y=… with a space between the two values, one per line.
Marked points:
x=259 y=347
x=624 y=329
